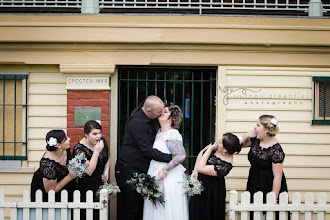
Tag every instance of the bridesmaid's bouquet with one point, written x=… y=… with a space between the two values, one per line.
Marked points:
x=192 y=186
x=112 y=189
x=148 y=187
x=78 y=166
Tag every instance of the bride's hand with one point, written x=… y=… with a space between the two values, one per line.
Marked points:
x=161 y=174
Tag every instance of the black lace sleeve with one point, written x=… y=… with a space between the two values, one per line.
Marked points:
x=277 y=154
x=48 y=169
x=223 y=168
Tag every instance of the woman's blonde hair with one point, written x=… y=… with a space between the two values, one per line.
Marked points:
x=272 y=127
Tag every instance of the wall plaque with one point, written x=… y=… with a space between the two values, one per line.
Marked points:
x=83 y=115
x=94 y=82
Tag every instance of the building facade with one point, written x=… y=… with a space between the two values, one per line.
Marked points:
x=54 y=68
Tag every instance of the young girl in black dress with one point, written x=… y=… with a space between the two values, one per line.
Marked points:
x=213 y=163
x=95 y=149
x=53 y=173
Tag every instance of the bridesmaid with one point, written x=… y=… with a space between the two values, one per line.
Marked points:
x=213 y=163
x=53 y=173
x=266 y=157
x=95 y=149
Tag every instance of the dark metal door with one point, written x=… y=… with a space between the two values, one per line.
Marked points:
x=193 y=89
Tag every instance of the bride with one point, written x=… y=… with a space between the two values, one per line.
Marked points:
x=169 y=175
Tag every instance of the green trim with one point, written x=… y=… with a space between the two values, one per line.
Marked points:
x=320 y=122
x=13 y=157
x=321 y=78
x=12 y=76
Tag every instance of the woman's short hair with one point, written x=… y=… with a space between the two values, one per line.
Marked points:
x=231 y=143
x=265 y=120
x=176 y=115
x=90 y=125
x=59 y=135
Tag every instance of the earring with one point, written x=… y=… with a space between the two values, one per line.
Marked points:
x=61 y=149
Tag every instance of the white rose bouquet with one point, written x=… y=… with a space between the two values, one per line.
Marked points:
x=78 y=166
x=192 y=186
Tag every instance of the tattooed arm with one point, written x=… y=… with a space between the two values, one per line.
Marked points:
x=179 y=154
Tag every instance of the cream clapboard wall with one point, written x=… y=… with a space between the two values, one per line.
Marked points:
x=307 y=147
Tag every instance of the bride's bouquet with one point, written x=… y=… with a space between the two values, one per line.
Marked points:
x=148 y=187
x=78 y=166
x=112 y=189
x=192 y=186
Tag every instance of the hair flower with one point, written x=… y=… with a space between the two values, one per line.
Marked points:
x=240 y=139
x=52 y=141
x=273 y=121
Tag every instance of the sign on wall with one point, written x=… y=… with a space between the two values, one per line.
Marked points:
x=83 y=115
x=82 y=82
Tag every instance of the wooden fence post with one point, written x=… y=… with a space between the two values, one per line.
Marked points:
x=270 y=198
x=309 y=201
x=257 y=200
x=104 y=204
x=64 y=199
x=76 y=201
x=26 y=199
x=232 y=203
x=321 y=201
x=245 y=200
x=296 y=201
x=89 y=199
x=283 y=200
x=38 y=200
x=51 y=200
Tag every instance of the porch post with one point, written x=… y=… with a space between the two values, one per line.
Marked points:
x=315 y=8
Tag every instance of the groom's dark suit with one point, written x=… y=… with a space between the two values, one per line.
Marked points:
x=134 y=157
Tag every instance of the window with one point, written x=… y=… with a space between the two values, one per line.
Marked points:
x=13 y=110
x=321 y=100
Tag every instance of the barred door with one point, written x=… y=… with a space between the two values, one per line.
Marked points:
x=193 y=89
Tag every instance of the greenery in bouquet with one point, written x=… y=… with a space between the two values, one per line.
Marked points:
x=148 y=187
x=192 y=186
x=78 y=166
x=112 y=189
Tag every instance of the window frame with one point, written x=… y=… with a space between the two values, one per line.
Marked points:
x=317 y=120
x=24 y=104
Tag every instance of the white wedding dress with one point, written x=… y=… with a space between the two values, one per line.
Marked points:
x=176 y=201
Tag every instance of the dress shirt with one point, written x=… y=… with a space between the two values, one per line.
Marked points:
x=137 y=150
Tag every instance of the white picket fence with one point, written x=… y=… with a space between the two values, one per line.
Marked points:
x=296 y=208
x=52 y=210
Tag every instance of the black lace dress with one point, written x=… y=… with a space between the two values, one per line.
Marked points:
x=51 y=170
x=261 y=173
x=94 y=181
x=211 y=203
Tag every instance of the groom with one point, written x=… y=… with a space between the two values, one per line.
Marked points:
x=137 y=152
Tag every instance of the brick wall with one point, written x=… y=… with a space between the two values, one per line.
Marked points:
x=89 y=98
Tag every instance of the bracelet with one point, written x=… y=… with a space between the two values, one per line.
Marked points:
x=96 y=153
